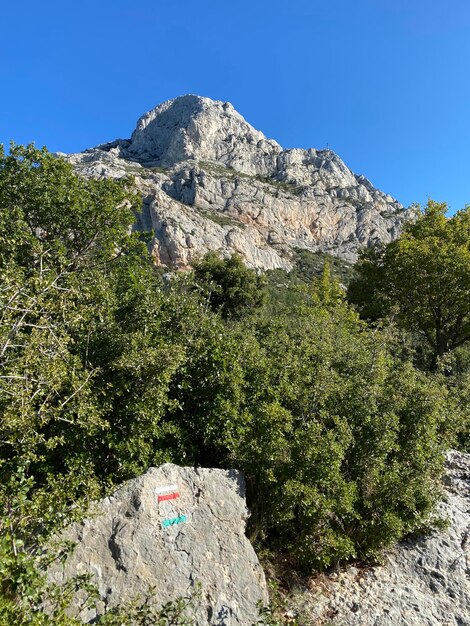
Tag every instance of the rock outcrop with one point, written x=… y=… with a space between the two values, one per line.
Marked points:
x=168 y=530
x=192 y=128
x=423 y=582
x=210 y=181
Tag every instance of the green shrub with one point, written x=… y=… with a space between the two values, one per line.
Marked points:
x=341 y=443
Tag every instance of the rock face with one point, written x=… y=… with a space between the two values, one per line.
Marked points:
x=169 y=529
x=200 y=129
x=210 y=181
x=424 y=582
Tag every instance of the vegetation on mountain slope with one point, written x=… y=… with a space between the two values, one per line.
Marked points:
x=106 y=370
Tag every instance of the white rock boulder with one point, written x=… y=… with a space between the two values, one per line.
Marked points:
x=168 y=530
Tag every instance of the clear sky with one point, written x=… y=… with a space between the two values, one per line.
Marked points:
x=385 y=83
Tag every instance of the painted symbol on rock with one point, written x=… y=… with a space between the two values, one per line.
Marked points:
x=166 y=489
x=169 y=496
x=164 y=494
x=173 y=521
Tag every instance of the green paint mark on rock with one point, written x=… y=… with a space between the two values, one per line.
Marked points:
x=173 y=521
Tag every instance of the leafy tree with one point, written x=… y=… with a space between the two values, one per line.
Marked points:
x=327 y=290
x=60 y=238
x=84 y=368
x=422 y=278
x=230 y=288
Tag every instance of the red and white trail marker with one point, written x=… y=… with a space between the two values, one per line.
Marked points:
x=167 y=492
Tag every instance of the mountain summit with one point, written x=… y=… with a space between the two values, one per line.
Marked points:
x=196 y=128
x=210 y=181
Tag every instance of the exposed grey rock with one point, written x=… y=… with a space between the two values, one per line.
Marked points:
x=195 y=128
x=423 y=582
x=128 y=548
x=213 y=182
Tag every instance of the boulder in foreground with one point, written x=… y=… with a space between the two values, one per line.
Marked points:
x=168 y=530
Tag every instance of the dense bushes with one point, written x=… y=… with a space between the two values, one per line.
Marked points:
x=340 y=441
x=107 y=370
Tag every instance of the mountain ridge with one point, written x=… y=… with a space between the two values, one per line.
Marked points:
x=211 y=181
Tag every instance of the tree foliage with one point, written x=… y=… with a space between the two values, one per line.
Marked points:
x=339 y=441
x=60 y=239
x=423 y=278
x=231 y=289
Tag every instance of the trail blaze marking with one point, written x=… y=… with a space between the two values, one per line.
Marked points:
x=166 y=488
x=173 y=521
x=164 y=494
x=169 y=496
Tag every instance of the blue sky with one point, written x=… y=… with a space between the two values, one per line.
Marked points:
x=385 y=83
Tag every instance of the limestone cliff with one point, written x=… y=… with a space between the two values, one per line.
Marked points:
x=210 y=181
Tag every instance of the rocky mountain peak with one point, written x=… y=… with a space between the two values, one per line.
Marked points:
x=195 y=128
x=211 y=181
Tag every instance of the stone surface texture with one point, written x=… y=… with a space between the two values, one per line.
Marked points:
x=127 y=548
x=210 y=181
x=423 y=582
